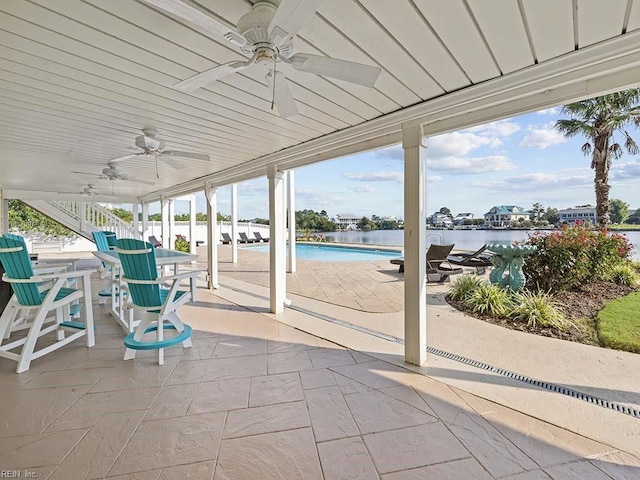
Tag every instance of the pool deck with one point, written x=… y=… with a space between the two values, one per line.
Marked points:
x=371 y=295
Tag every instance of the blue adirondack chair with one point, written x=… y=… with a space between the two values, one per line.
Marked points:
x=146 y=294
x=111 y=238
x=102 y=244
x=45 y=295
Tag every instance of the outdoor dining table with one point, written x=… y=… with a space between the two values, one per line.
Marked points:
x=164 y=257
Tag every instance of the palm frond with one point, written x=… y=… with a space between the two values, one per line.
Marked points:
x=586 y=149
x=630 y=144
x=616 y=151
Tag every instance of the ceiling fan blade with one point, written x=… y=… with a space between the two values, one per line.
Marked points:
x=195 y=156
x=87 y=173
x=171 y=162
x=136 y=180
x=198 y=18
x=290 y=17
x=126 y=157
x=200 y=80
x=333 y=67
x=282 y=96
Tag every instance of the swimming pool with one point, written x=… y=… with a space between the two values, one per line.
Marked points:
x=331 y=253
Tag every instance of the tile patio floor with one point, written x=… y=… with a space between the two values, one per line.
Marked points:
x=257 y=399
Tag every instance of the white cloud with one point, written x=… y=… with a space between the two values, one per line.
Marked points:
x=623 y=171
x=470 y=165
x=382 y=176
x=537 y=181
x=501 y=128
x=542 y=138
x=433 y=178
x=459 y=143
x=549 y=111
x=250 y=189
x=366 y=188
x=309 y=198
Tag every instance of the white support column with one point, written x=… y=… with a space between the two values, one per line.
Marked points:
x=164 y=225
x=234 y=222
x=291 y=200
x=136 y=219
x=4 y=214
x=145 y=221
x=192 y=223
x=415 y=298
x=277 y=252
x=82 y=213
x=172 y=223
x=213 y=235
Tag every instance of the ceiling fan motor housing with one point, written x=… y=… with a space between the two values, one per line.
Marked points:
x=254 y=25
x=147 y=143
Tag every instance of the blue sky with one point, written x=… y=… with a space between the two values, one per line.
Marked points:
x=518 y=161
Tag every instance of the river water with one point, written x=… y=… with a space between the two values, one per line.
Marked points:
x=462 y=239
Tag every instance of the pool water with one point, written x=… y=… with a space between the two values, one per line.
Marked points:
x=327 y=253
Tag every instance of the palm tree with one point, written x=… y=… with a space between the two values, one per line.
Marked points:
x=598 y=119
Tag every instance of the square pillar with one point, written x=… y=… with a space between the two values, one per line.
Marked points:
x=213 y=235
x=172 y=223
x=291 y=196
x=415 y=269
x=145 y=221
x=164 y=224
x=234 y=223
x=4 y=214
x=192 y=223
x=136 y=219
x=277 y=251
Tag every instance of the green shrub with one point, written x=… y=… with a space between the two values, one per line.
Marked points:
x=489 y=299
x=464 y=286
x=538 y=309
x=182 y=245
x=624 y=274
x=573 y=257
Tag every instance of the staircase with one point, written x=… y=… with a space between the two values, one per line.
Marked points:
x=84 y=217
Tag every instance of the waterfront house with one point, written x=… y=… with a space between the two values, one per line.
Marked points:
x=501 y=216
x=461 y=218
x=578 y=214
x=347 y=221
x=440 y=220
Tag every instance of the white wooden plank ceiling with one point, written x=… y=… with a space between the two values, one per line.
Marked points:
x=79 y=79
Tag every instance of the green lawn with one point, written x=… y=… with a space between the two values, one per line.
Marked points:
x=619 y=323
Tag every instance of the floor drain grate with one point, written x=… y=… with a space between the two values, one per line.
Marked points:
x=474 y=363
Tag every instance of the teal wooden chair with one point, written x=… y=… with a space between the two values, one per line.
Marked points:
x=147 y=294
x=102 y=244
x=46 y=296
x=111 y=238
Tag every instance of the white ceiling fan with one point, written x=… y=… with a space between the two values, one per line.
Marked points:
x=89 y=191
x=112 y=173
x=265 y=35
x=150 y=144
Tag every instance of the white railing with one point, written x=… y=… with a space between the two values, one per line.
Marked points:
x=95 y=217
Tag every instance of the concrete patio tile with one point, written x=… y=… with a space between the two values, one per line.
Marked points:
x=88 y=410
x=444 y=400
x=544 y=443
x=38 y=450
x=266 y=419
x=202 y=348
x=317 y=378
x=137 y=373
x=272 y=389
x=467 y=468
x=582 y=470
x=379 y=374
x=98 y=449
x=330 y=416
x=289 y=455
x=235 y=367
x=88 y=376
x=619 y=465
x=291 y=361
x=413 y=447
x=187 y=372
x=148 y=475
x=170 y=442
x=346 y=459
x=361 y=357
x=195 y=471
x=240 y=347
x=330 y=357
x=531 y=475
x=348 y=386
x=220 y=396
x=375 y=412
x=408 y=395
x=172 y=401
x=30 y=411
